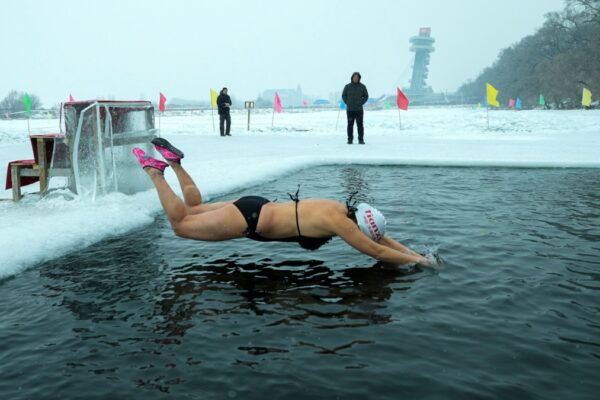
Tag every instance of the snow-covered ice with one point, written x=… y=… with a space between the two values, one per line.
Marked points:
x=35 y=230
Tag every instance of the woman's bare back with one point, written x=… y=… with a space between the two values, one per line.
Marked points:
x=278 y=220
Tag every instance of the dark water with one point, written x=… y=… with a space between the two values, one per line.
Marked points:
x=515 y=313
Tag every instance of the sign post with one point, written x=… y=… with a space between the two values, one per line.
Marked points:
x=248 y=105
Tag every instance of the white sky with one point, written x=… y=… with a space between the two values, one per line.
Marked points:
x=129 y=49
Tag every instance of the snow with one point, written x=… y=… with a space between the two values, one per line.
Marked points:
x=35 y=230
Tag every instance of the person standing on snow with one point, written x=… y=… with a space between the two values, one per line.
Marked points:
x=224 y=105
x=355 y=95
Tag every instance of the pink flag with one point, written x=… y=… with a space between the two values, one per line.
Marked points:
x=511 y=103
x=162 y=100
x=277 y=103
x=71 y=99
x=401 y=100
x=304 y=103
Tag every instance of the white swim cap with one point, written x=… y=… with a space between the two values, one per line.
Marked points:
x=370 y=221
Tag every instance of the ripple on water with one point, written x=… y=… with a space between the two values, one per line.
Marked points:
x=513 y=314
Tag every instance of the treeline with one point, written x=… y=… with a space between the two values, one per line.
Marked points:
x=13 y=105
x=558 y=61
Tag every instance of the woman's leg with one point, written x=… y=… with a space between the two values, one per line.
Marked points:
x=174 y=208
x=191 y=194
x=218 y=224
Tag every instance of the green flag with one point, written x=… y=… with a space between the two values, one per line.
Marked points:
x=387 y=104
x=542 y=100
x=27 y=102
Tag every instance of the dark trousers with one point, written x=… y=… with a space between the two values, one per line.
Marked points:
x=222 y=119
x=358 y=117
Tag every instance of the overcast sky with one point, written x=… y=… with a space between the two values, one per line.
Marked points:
x=129 y=49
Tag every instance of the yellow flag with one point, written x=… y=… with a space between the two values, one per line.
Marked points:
x=491 y=93
x=586 y=98
x=213 y=98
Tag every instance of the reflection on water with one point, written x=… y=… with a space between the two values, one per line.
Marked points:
x=290 y=293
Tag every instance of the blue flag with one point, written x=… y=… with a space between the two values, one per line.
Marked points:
x=519 y=104
x=342 y=105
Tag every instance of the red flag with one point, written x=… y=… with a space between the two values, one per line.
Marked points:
x=277 y=103
x=161 y=103
x=71 y=99
x=402 y=100
x=304 y=103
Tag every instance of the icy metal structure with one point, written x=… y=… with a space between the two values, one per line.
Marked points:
x=94 y=155
x=422 y=46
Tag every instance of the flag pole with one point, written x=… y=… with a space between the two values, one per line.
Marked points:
x=159 y=114
x=399 y=120
x=212 y=113
x=338 y=119
x=28 y=129
x=487 y=114
x=273 y=118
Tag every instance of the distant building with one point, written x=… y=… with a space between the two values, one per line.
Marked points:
x=422 y=46
x=419 y=92
x=321 y=103
x=289 y=97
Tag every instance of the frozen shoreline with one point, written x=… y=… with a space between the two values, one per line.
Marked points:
x=33 y=231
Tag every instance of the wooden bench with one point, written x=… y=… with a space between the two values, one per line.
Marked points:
x=37 y=168
x=18 y=169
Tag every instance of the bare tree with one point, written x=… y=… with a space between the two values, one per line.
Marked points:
x=558 y=60
x=14 y=103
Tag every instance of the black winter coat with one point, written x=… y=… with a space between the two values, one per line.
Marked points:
x=222 y=99
x=355 y=95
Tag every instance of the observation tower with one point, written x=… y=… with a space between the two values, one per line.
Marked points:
x=422 y=46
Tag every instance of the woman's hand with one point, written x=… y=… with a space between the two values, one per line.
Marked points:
x=424 y=262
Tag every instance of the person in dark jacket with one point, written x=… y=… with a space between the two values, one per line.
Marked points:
x=355 y=95
x=224 y=105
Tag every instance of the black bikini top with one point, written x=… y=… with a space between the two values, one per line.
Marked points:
x=312 y=243
x=306 y=242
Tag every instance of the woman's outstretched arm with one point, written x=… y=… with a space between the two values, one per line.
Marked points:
x=391 y=243
x=349 y=231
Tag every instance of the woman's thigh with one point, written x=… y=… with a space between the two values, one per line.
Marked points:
x=205 y=207
x=222 y=223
